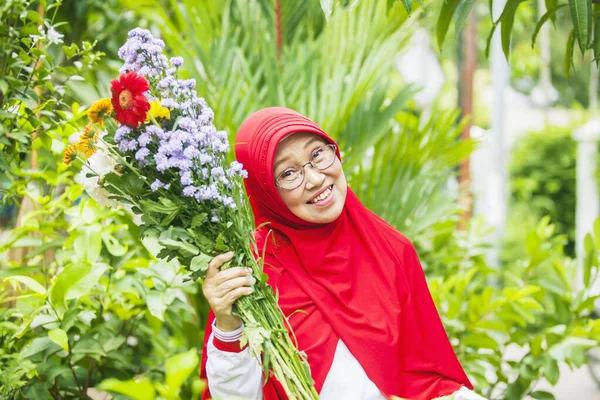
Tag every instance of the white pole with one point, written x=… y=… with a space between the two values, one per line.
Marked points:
x=588 y=201
x=497 y=187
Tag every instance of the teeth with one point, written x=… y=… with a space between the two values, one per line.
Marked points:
x=322 y=196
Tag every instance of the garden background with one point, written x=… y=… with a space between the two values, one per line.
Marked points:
x=471 y=157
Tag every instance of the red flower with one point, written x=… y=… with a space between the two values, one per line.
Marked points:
x=128 y=98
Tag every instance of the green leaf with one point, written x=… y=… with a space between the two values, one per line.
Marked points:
x=542 y=395
x=407 y=5
x=550 y=4
x=59 y=337
x=200 y=262
x=141 y=389
x=29 y=282
x=589 y=259
x=550 y=14
x=112 y=245
x=569 y=54
x=463 y=12
x=597 y=58
x=479 y=340
x=75 y=281
x=581 y=15
x=88 y=243
x=489 y=40
x=178 y=368
x=327 y=6
x=507 y=20
x=220 y=245
x=156 y=304
x=443 y=22
x=37 y=345
x=186 y=249
x=176 y=239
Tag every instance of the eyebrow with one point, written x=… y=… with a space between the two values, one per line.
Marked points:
x=316 y=139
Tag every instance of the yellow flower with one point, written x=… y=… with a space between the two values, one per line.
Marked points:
x=71 y=154
x=99 y=110
x=88 y=146
x=157 y=111
x=88 y=133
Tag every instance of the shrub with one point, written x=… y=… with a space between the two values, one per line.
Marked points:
x=542 y=183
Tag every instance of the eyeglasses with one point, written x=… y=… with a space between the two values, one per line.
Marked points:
x=292 y=177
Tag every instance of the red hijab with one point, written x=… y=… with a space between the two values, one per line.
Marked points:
x=356 y=279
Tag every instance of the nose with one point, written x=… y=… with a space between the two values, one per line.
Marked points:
x=313 y=177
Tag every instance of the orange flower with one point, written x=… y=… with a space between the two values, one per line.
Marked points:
x=71 y=154
x=88 y=146
x=99 y=110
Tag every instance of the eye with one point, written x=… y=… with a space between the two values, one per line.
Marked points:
x=317 y=153
x=288 y=173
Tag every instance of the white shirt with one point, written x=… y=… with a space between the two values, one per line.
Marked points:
x=239 y=375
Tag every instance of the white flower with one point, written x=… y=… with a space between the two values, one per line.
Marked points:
x=99 y=163
x=53 y=36
x=132 y=341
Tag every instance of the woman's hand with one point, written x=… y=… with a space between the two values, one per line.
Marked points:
x=222 y=288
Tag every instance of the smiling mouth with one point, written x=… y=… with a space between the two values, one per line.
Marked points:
x=321 y=196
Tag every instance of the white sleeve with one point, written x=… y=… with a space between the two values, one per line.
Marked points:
x=230 y=374
x=465 y=393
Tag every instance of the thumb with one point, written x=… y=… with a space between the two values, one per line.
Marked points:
x=217 y=262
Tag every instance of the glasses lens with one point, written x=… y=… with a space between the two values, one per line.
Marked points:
x=290 y=178
x=323 y=157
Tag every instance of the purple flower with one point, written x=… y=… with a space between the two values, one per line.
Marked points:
x=187 y=84
x=217 y=171
x=188 y=124
x=141 y=154
x=140 y=33
x=177 y=61
x=191 y=152
x=145 y=139
x=189 y=191
x=121 y=133
x=186 y=178
x=237 y=169
x=156 y=185
x=205 y=158
x=166 y=82
x=228 y=202
x=169 y=103
x=162 y=162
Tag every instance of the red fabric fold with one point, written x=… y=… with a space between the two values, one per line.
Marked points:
x=356 y=279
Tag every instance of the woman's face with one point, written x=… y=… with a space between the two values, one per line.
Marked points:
x=320 y=198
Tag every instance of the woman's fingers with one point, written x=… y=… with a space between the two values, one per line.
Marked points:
x=235 y=294
x=231 y=273
x=215 y=263
x=232 y=284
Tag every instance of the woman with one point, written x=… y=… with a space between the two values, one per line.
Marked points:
x=369 y=326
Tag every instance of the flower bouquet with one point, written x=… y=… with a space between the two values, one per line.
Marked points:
x=153 y=148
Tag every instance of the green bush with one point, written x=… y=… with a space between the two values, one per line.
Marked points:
x=535 y=311
x=89 y=306
x=542 y=183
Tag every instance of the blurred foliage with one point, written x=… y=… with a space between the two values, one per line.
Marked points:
x=35 y=72
x=537 y=314
x=424 y=154
x=87 y=305
x=542 y=183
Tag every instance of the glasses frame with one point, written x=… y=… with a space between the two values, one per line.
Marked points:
x=309 y=162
